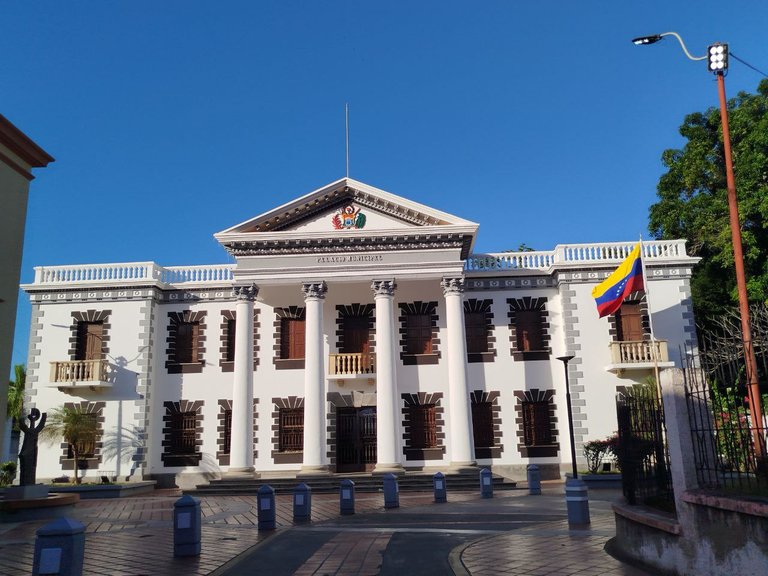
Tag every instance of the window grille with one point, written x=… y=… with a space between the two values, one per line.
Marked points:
x=423 y=427
x=291 y=430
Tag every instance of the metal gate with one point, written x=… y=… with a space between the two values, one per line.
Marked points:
x=355 y=439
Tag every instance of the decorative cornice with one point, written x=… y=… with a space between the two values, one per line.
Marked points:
x=314 y=290
x=374 y=243
x=22 y=145
x=246 y=293
x=452 y=286
x=383 y=287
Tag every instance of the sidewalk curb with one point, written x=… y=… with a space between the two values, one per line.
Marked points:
x=454 y=558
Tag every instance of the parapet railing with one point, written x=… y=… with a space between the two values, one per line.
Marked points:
x=133 y=273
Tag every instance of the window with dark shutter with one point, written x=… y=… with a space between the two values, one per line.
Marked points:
x=230 y=352
x=423 y=426
x=629 y=322
x=86 y=443
x=482 y=424
x=227 y=431
x=528 y=328
x=291 y=430
x=292 y=336
x=89 y=338
x=183 y=432
x=476 y=329
x=418 y=334
x=537 y=426
x=187 y=335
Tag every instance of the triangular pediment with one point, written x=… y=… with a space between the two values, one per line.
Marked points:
x=346 y=205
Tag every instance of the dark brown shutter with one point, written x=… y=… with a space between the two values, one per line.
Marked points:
x=356 y=334
x=187 y=342
x=528 y=330
x=227 y=431
x=536 y=423
x=422 y=426
x=231 y=330
x=418 y=337
x=292 y=336
x=183 y=432
x=89 y=338
x=291 y=430
x=629 y=322
x=476 y=329
x=482 y=424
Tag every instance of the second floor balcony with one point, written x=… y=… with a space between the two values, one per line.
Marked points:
x=352 y=365
x=638 y=355
x=92 y=374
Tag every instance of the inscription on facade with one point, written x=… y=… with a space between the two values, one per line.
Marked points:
x=350 y=258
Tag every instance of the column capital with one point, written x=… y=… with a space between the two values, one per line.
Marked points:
x=314 y=289
x=247 y=293
x=384 y=287
x=452 y=285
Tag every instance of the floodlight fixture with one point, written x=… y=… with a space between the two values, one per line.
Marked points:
x=718 y=58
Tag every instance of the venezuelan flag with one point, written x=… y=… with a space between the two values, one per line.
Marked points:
x=627 y=278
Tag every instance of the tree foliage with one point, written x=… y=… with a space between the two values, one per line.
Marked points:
x=16 y=393
x=79 y=429
x=693 y=201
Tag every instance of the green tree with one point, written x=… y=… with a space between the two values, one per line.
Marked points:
x=16 y=394
x=79 y=429
x=693 y=201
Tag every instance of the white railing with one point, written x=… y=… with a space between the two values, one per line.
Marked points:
x=350 y=364
x=133 y=273
x=603 y=252
x=79 y=371
x=639 y=352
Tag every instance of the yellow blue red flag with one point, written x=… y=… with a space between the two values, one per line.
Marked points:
x=627 y=278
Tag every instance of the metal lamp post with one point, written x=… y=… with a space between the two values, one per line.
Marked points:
x=576 y=496
x=717 y=58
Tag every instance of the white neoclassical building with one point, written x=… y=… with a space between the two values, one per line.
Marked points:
x=356 y=331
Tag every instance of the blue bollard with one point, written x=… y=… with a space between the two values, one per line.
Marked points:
x=302 y=503
x=391 y=491
x=186 y=527
x=347 y=497
x=534 y=479
x=438 y=482
x=59 y=548
x=265 y=498
x=486 y=483
x=577 y=501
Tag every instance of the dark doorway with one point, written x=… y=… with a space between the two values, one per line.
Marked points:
x=357 y=334
x=355 y=439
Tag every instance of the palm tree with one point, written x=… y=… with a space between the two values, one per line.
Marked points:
x=16 y=394
x=79 y=429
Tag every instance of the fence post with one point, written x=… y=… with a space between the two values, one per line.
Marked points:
x=441 y=493
x=266 y=507
x=59 y=548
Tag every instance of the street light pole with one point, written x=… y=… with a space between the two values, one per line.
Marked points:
x=718 y=64
x=565 y=360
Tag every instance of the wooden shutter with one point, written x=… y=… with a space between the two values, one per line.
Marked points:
x=227 y=431
x=183 y=432
x=292 y=337
x=536 y=423
x=629 y=322
x=89 y=338
x=356 y=334
x=187 y=342
x=528 y=330
x=418 y=337
x=231 y=331
x=482 y=424
x=422 y=426
x=476 y=330
x=291 y=430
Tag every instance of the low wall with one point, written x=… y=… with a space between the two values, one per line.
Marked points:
x=720 y=535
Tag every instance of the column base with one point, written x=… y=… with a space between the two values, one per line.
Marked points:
x=458 y=467
x=380 y=469
x=240 y=472
x=315 y=470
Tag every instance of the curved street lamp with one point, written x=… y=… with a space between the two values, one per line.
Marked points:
x=717 y=56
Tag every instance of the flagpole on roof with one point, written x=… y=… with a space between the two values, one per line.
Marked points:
x=654 y=345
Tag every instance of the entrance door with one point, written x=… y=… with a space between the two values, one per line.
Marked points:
x=630 y=322
x=356 y=334
x=355 y=439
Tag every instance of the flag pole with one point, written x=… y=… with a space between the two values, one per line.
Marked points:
x=654 y=347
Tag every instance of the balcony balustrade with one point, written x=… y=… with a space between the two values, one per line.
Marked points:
x=639 y=355
x=80 y=373
x=351 y=364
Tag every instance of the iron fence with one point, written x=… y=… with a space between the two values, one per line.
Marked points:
x=642 y=451
x=729 y=443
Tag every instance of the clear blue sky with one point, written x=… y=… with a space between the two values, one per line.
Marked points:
x=173 y=120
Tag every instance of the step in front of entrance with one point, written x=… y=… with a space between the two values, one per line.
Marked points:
x=330 y=484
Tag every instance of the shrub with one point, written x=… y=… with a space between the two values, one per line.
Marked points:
x=7 y=472
x=596 y=450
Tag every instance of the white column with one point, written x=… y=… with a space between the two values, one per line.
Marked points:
x=314 y=380
x=387 y=459
x=241 y=445
x=459 y=412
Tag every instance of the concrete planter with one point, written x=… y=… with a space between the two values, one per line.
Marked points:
x=601 y=481
x=91 y=491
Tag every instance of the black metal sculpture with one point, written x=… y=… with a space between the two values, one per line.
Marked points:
x=28 y=454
